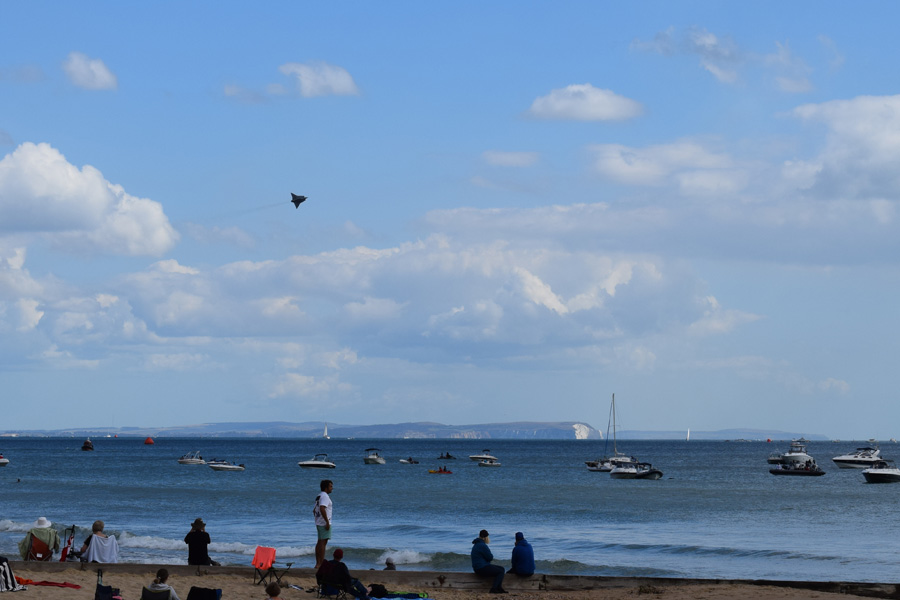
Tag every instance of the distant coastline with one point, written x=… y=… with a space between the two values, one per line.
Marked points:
x=522 y=430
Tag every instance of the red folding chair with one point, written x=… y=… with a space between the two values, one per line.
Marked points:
x=264 y=565
x=38 y=550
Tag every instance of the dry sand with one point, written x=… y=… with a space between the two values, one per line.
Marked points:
x=241 y=587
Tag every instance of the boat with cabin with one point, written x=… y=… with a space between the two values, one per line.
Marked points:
x=796 y=453
x=861 y=458
x=882 y=471
x=373 y=457
x=485 y=455
x=88 y=445
x=637 y=470
x=608 y=463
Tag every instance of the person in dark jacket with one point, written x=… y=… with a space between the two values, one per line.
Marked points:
x=481 y=562
x=198 y=541
x=522 y=557
x=335 y=573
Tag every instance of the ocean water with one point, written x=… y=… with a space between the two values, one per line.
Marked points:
x=716 y=513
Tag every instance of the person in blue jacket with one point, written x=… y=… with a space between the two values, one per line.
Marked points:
x=481 y=562
x=522 y=557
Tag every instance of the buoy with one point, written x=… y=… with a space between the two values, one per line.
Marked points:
x=148 y=441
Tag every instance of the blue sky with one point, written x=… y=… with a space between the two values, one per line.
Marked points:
x=514 y=211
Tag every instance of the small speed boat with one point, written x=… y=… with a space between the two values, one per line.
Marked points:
x=441 y=471
x=485 y=455
x=408 y=461
x=608 y=464
x=373 y=457
x=87 y=445
x=226 y=467
x=805 y=469
x=860 y=459
x=488 y=462
x=3 y=461
x=319 y=461
x=635 y=470
x=192 y=458
x=883 y=471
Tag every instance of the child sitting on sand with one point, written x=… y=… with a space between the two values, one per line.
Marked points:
x=274 y=591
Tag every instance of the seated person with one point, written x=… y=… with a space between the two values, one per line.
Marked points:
x=159 y=584
x=43 y=533
x=98 y=547
x=522 y=557
x=336 y=574
x=481 y=562
x=198 y=544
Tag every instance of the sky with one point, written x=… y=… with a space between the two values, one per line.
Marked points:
x=515 y=210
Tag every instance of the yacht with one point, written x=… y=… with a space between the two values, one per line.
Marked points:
x=489 y=462
x=319 y=461
x=882 y=471
x=192 y=458
x=485 y=455
x=608 y=463
x=373 y=457
x=796 y=453
x=635 y=470
x=226 y=467
x=860 y=459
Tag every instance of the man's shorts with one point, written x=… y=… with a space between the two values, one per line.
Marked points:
x=324 y=533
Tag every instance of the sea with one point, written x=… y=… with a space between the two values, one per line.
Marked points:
x=716 y=512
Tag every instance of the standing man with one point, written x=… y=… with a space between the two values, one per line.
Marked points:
x=322 y=512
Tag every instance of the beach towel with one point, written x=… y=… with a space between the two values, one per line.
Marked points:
x=63 y=584
x=8 y=581
x=102 y=550
x=199 y=593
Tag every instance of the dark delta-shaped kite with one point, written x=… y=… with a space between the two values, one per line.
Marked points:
x=297 y=199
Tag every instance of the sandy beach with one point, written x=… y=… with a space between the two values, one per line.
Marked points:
x=237 y=584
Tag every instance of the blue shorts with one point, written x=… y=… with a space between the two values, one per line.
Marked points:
x=324 y=533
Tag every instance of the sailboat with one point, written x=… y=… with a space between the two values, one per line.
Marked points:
x=688 y=438
x=608 y=463
x=325 y=435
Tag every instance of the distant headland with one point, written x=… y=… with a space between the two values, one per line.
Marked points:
x=520 y=430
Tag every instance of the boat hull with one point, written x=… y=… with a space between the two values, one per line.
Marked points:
x=796 y=472
x=854 y=463
x=315 y=465
x=4 y=462
x=374 y=460
x=226 y=467
x=891 y=477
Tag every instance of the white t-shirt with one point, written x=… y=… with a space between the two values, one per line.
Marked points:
x=324 y=504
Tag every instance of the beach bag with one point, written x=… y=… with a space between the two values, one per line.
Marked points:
x=378 y=591
x=199 y=593
x=105 y=592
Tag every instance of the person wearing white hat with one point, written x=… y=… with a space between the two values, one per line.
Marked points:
x=41 y=530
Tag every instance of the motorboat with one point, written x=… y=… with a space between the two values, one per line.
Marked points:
x=3 y=461
x=805 y=469
x=373 y=457
x=217 y=461
x=608 y=463
x=860 y=459
x=882 y=471
x=446 y=456
x=489 y=462
x=87 y=445
x=192 y=458
x=636 y=470
x=441 y=471
x=408 y=461
x=226 y=467
x=485 y=455
x=319 y=461
x=796 y=453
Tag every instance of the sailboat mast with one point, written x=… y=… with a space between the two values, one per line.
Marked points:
x=615 y=450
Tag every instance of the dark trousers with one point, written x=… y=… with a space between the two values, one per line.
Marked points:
x=495 y=571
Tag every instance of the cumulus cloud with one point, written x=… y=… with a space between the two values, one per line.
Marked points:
x=320 y=79
x=584 y=102
x=42 y=194
x=89 y=73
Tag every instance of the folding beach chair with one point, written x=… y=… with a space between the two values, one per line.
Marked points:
x=264 y=565
x=326 y=587
x=148 y=594
x=38 y=550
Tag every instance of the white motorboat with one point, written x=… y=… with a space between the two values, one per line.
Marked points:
x=882 y=471
x=373 y=457
x=485 y=455
x=226 y=467
x=860 y=459
x=636 y=470
x=3 y=461
x=192 y=458
x=489 y=462
x=796 y=453
x=608 y=463
x=319 y=461
x=408 y=461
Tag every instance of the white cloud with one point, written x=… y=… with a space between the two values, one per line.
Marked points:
x=175 y=362
x=794 y=72
x=295 y=384
x=510 y=159
x=320 y=79
x=693 y=166
x=378 y=309
x=89 y=73
x=42 y=194
x=584 y=102
x=720 y=56
x=29 y=315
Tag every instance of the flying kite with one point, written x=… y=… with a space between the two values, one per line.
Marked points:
x=297 y=199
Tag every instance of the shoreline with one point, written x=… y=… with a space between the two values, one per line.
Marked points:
x=237 y=583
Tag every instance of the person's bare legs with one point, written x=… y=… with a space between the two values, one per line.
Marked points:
x=320 y=552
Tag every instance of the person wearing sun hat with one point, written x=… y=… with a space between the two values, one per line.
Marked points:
x=198 y=543
x=42 y=530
